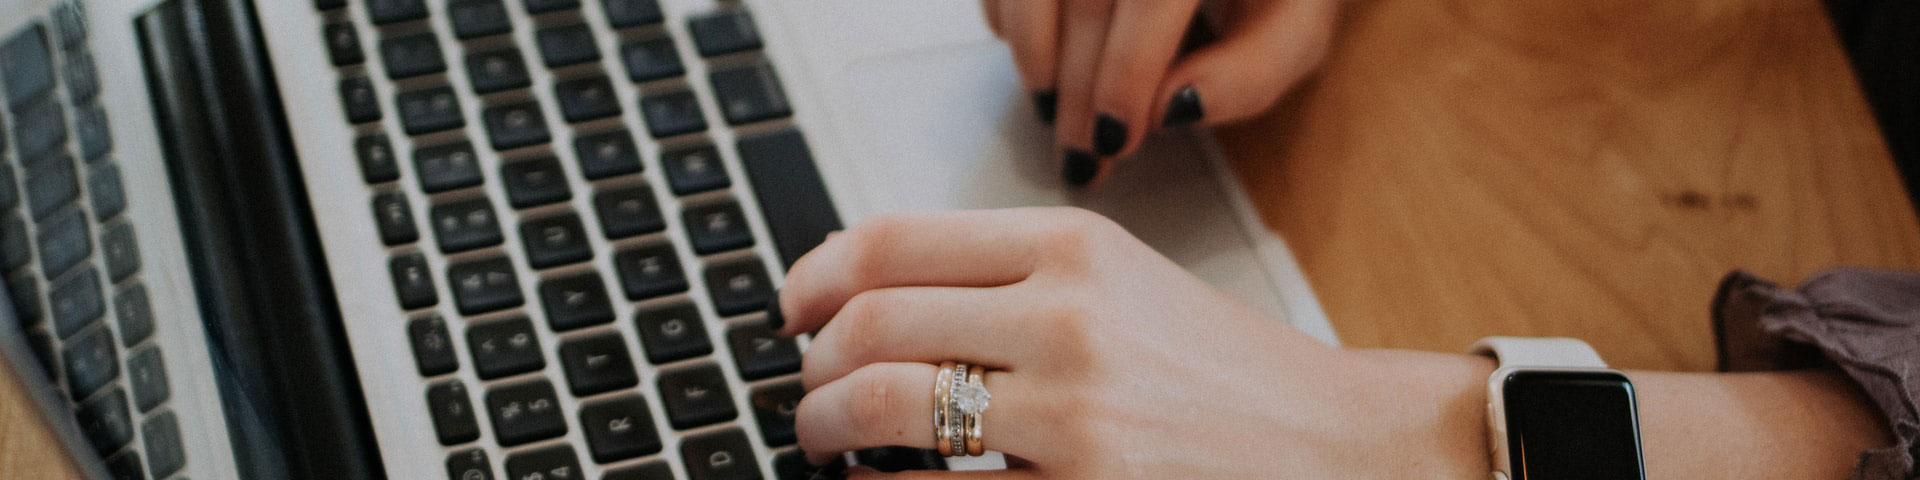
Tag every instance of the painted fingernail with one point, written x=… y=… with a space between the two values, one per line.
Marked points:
x=775 y=319
x=1109 y=135
x=1184 y=108
x=1079 y=168
x=1045 y=104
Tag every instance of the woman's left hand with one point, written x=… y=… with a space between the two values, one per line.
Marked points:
x=1106 y=360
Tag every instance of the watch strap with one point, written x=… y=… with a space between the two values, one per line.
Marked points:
x=1546 y=352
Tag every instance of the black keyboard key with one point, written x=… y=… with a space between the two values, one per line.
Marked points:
x=343 y=44
x=90 y=124
x=575 y=301
x=537 y=7
x=15 y=249
x=431 y=110
x=555 y=241
x=525 y=412
x=632 y=13
x=395 y=11
x=412 y=282
x=135 y=314
x=329 y=4
x=694 y=169
x=696 y=396
x=654 y=470
x=651 y=59
x=792 y=465
x=147 y=376
x=106 y=421
x=515 y=126
x=536 y=182
x=9 y=196
x=121 y=251
x=478 y=18
x=793 y=201
x=504 y=347
x=649 y=272
x=452 y=412
x=51 y=183
x=760 y=354
x=497 y=70
x=725 y=32
x=469 y=465
x=76 y=301
x=432 y=346
x=27 y=64
x=394 y=218
x=484 y=285
x=465 y=225
x=628 y=211
x=738 y=286
x=359 y=101
x=64 y=241
x=895 y=459
x=447 y=167
x=717 y=227
x=720 y=455
x=597 y=363
x=750 y=94
x=606 y=155
x=377 y=164
x=585 y=99
x=25 y=290
x=412 y=55
x=773 y=408
x=161 y=435
x=547 y=463
x=71 y=23
x=90 y=363
x=103 y=184
x=672 y=332
x=83 y=79
x=126 y=466
x=672 y=113
x=39 y=127
x=567 y=45
x=618 y=429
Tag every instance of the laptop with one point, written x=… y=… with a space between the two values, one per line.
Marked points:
x=499 y=239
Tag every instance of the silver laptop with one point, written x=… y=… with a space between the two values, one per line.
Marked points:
x=491 y=239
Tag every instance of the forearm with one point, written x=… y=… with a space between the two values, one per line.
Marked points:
x=1800 y=424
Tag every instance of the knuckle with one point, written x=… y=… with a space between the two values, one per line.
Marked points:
x=859 y=321
x=874 y=398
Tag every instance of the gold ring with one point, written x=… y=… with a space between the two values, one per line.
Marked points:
x=976 y=443
x=942 y=395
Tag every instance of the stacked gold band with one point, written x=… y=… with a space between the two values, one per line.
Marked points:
x=942 y=399
x=976 y=444
x=959 y=405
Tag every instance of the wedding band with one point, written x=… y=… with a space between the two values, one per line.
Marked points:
x=956 y=419
x=942 y=395
x=976 y=443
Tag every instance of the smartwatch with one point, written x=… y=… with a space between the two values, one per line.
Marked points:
x=1556 y=412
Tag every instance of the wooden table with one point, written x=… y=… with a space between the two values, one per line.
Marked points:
x=1538 y=168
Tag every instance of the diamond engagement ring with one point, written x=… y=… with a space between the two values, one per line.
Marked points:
x=971 y=399
x=959 y=401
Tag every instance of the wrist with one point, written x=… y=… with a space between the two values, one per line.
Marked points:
x=1423 y=414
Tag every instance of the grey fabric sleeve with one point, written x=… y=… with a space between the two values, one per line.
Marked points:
x=1865 y=322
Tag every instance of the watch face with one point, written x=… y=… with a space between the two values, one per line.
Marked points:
x=1571 y=426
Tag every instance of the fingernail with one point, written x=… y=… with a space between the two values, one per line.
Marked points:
x=1184 y=108
x=1079 y=168
x=1109 y=135
x=1045 y=104
x=775 y=319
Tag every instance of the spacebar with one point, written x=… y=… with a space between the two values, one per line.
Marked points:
x=798 y=211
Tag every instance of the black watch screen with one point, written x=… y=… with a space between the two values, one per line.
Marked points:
x=1571 y=426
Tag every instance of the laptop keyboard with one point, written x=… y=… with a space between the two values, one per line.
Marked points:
x=501 y=277
x=82 y=303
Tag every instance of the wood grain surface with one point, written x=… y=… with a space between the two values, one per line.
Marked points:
x=1591 y=169
x=1588 y=169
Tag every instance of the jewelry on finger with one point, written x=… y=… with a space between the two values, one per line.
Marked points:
x=942 y=390
x=956 y=419
x=972 y=402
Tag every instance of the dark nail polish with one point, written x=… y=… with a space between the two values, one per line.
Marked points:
x=1079 y=168
x=1184 y=108
x=775 y=319
x=1045 y=104
x=1109 y=135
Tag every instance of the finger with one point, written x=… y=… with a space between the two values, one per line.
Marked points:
x=1032 y=31
x=1140 y=45
x=923 y=324
x=868 y=473
x=1083 y=28
x=976 y=248
x=1249 y=69
x=891 y=405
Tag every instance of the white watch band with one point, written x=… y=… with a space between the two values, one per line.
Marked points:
x=1548 y=352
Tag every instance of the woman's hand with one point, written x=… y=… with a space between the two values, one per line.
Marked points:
x=1111 y=71
x=1106 y=360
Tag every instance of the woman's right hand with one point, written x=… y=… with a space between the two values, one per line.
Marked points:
x=1108 y=72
